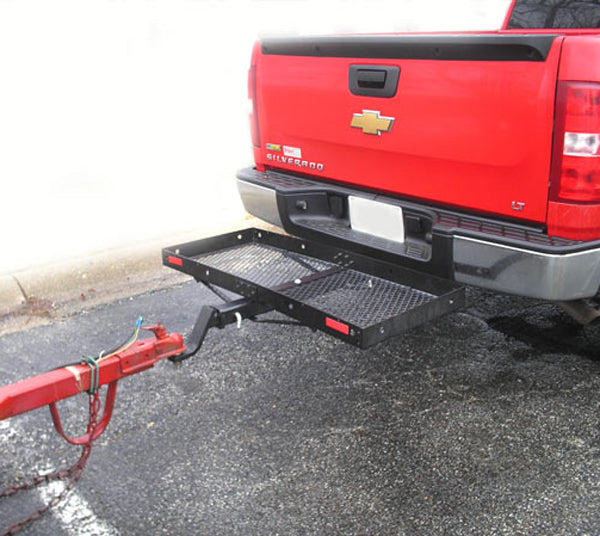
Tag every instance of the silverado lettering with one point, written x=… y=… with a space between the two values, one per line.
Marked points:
x=295 y=162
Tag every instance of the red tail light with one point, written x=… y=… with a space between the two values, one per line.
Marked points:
x=253 y=108
x=576 y=169
x=574 y=207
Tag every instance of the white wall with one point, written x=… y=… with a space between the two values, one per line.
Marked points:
x=126 y=120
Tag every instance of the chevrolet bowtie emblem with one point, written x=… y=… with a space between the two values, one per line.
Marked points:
x=372 y=123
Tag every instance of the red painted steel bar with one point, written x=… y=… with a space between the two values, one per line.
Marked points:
x=49 y=388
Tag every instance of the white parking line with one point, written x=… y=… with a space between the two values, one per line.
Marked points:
x=74 y=513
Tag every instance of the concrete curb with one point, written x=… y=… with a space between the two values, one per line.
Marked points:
x=118 y=272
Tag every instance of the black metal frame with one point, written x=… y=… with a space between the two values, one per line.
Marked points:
x=183 y=257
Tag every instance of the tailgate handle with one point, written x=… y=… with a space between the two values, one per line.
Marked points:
x=373 y=80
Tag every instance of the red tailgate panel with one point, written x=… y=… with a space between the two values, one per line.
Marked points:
x=474 y=134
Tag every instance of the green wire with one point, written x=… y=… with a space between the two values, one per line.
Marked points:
x=94 y=371
x=127 y=343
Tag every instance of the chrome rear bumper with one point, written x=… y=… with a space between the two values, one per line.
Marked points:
x=526 y=273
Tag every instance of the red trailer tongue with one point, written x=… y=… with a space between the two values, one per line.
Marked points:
x=64 y=382
x=51 y=387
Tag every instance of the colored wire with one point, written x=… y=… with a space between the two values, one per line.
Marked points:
x=126 y=344
x=91 y=362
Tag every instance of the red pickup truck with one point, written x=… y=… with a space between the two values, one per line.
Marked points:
x=472 y=156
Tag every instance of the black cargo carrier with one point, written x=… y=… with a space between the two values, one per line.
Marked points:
x=356 y=298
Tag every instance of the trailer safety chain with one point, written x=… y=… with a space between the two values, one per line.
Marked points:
x=72 y=474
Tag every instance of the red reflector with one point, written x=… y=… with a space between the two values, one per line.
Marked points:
x=175 y=260
x=338 y=326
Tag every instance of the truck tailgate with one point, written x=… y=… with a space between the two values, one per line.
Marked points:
x=472 y=116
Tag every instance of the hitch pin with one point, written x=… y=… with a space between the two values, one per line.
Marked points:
x=238 y=317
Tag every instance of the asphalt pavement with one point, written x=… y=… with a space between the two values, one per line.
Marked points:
x=483 y=422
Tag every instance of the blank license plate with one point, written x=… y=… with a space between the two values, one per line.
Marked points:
x=376 y=218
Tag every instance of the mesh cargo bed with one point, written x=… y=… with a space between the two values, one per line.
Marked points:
x=356 y=298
